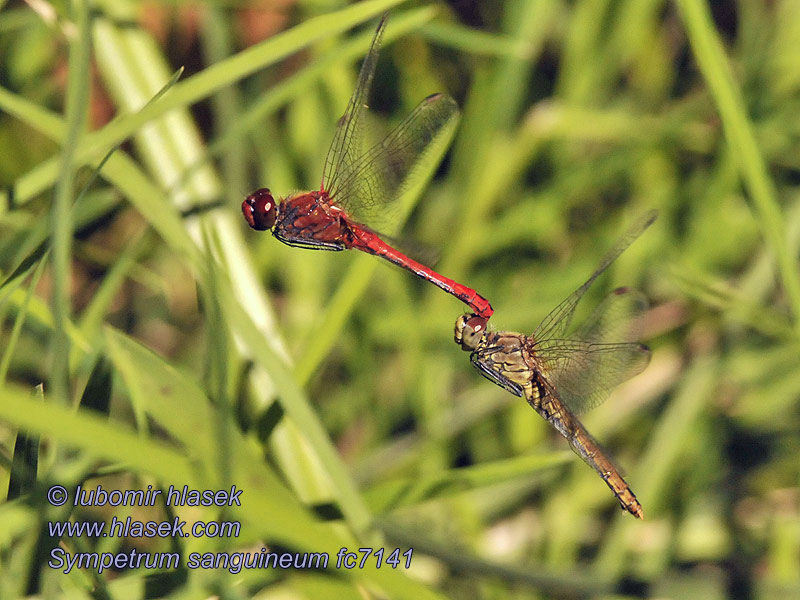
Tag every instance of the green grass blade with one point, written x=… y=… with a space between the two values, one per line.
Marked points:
x=104 y=160
x=249 y=61
x=711 y=59
x=176 y=402
x=198 y=87
x=474 y=41
x=25 y=251
x=61 y=214
x=40 y=317
x=297 y=407
x=95 y=435
x=297 y=84
x=25 y=461
x=409 y=491
x=661 y=457
x=96 y=395
x=19 y=321
x=92 y=317
x=461 y=561
x=120 y=170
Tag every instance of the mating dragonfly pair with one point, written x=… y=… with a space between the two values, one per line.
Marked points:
x=559 y=374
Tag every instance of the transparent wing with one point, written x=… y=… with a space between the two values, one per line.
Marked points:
x=380 y=175
x=599 y=355
x=555 y=324
x=346 y=145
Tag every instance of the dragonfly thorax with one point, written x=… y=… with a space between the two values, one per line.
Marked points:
x=469 y=331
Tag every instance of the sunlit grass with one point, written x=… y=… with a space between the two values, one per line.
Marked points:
x=176 y=347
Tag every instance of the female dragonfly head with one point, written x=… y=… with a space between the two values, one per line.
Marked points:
x=260 y=210
x=469 y=331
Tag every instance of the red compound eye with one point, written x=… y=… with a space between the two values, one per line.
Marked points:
x=259 y=210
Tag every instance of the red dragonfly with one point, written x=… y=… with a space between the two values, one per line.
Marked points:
x=360 y=185
x=560 y=374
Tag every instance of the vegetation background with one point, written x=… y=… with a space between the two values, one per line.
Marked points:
x=176 y=347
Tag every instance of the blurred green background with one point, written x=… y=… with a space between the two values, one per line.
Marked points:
x=177 y=347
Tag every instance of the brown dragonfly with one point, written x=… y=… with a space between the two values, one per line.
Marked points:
x=562 y=375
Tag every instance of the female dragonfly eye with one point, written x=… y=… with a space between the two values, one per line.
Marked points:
x=469 y=331
x=476 y=324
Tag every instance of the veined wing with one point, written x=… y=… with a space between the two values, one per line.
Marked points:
x=599 y=355
x=382 y=173
x=346 y=146
x=555 y=324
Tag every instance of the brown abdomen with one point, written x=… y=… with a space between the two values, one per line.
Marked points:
x=584 y=445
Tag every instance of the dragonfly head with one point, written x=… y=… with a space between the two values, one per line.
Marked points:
x=259 y=210
x=469 y=331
